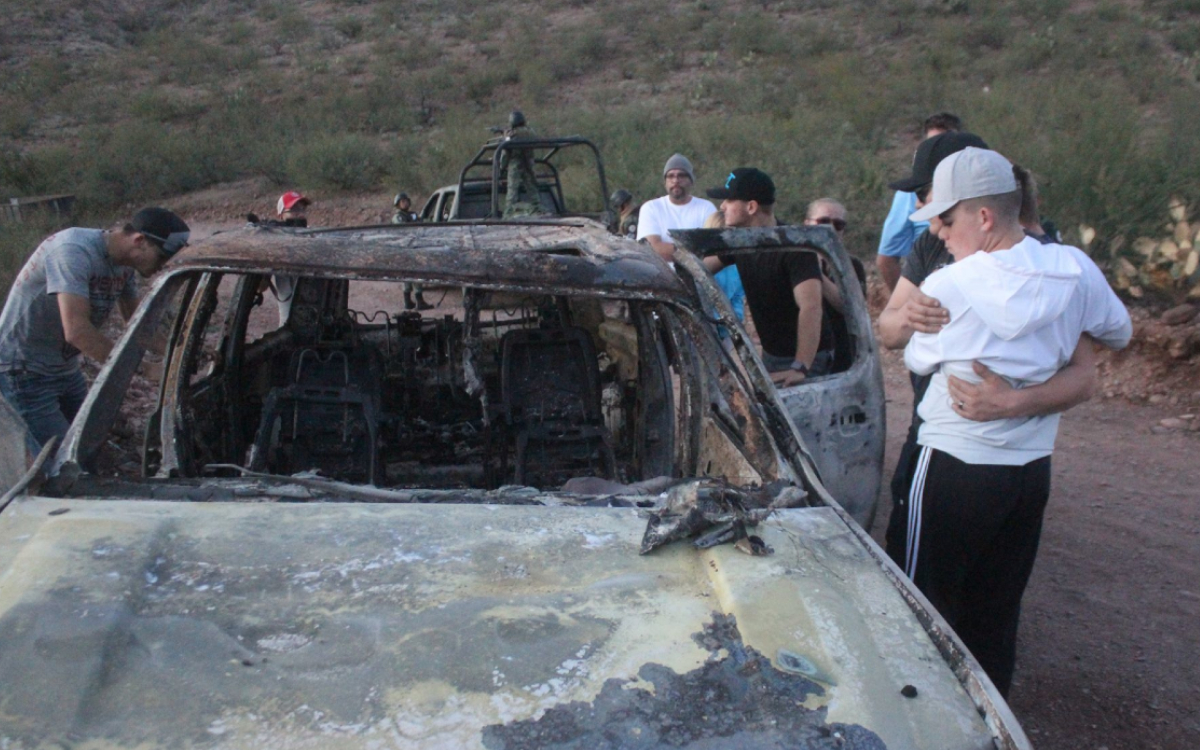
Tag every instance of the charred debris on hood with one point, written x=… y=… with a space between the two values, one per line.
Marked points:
x=737 y=698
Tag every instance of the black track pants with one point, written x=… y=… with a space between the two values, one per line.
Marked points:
x=967 y=537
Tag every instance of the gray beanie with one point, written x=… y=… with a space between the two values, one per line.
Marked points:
x=679 y=161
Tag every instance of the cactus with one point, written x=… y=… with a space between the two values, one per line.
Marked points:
x=1168 y=264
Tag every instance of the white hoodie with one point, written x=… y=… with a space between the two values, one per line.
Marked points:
x=1020 y=312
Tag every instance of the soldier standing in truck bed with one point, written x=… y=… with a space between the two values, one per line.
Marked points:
x=523 y=198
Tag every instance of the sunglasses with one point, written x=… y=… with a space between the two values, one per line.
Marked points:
x=837 y=224
x=172 y=243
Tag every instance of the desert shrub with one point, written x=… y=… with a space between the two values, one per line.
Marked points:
x=162 y=106
x=756 y=33
x=17 y=243
x=337 y=161
x=52 y=169
x=350 y=27
x=136 y=160
x=1185 y=38
x=291 y=24
x=238 y=33
x=990 y=31
x=17 y=118
x=577 y=50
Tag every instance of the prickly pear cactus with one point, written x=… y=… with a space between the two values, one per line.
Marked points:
x=1168 y=264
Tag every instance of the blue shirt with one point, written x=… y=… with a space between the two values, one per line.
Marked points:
x=731 y=283
x=899 y=233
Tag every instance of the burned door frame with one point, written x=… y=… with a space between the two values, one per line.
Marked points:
x=840 y=416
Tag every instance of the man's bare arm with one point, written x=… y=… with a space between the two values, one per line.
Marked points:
x=909 y=310
x=127 y=306
x=994 y=398
x=889 y=269
x=832 y=294
x=712 y=263
x=665 y=250
x=808 y=330
x=78 y=329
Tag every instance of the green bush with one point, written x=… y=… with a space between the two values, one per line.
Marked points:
x=350 y=27
x=17 y=243
x=339 y=162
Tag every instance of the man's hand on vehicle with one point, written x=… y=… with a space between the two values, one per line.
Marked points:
x=787 y=378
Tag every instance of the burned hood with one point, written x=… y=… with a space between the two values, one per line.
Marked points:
x=151 y=624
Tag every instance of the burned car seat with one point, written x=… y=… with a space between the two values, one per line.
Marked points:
x=550 y=397
x=326 y=417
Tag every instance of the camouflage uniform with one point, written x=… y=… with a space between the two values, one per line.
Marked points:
x=628 y=225
x=407 y=217
x=523 y=198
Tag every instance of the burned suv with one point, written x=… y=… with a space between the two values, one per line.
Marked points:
x=564 y=508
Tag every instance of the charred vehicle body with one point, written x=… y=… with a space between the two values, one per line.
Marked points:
x=518 y=520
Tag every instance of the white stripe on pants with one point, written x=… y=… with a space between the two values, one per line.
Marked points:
x=915 y=492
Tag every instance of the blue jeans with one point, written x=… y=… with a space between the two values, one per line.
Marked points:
x=47 y=403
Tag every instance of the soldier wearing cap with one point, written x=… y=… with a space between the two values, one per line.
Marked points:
x=404 y=213
x=59 y=302
x=978 y=490
x=783 y=289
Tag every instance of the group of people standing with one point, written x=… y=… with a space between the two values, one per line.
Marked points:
x=998 y=322
x=789 y=297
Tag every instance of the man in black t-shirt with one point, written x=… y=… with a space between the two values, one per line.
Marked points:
x=783 y=289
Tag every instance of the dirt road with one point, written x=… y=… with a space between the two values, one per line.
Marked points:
x=1109 y=649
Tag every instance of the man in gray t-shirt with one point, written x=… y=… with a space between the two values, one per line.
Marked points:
x=60 y=300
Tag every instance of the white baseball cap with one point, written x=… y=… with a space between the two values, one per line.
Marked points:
x=970 y=173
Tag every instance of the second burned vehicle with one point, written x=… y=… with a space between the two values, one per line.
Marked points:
x=371 y=527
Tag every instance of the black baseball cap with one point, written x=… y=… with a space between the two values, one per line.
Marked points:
x=930 y=153
x=163 y=227
x=746 y=184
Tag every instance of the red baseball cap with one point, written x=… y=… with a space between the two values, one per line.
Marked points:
x=290 y=200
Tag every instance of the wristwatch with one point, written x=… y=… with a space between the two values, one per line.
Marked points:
x=800 y=367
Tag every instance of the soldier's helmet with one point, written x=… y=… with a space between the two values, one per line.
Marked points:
x=620 y=198
x=400 y=197
x=516 y=119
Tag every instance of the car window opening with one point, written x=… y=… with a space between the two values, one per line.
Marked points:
x=488 y=388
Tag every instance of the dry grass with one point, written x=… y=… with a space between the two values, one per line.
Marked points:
x=123 y=103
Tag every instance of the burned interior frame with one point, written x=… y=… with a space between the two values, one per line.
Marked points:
x=841 y=416
x=521 y=385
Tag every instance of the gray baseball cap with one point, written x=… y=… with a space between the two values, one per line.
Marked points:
x=970 y=173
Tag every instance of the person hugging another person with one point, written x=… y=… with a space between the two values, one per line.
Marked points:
x=978 y=489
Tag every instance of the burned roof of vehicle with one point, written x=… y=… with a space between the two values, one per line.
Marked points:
x=572 y=254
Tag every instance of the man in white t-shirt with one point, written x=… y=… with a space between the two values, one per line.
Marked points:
x=678 y=209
